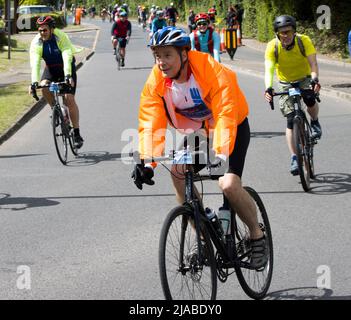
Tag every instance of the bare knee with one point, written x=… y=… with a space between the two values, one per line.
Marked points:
x=231 y=186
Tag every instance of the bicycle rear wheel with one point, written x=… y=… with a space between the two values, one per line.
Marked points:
x=254 y=282
x=183 y=276
x=71 y=142
x=299 y=130
x=60 y=135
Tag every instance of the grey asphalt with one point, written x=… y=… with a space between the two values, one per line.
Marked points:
x=86 y=232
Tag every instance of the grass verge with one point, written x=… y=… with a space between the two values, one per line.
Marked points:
x=14 y=102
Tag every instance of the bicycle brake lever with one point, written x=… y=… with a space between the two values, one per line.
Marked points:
x=34 y=94
x=272 y=105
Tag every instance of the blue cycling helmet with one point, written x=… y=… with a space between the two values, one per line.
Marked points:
x=123 y=14
x=170 y=36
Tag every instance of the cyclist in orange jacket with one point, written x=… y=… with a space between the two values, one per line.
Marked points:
x=195 y=94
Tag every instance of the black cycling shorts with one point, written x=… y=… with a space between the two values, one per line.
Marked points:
x=236 y=158
x=122 y=41
x=57 y=75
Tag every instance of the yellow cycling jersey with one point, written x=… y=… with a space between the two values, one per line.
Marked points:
x=291 y=64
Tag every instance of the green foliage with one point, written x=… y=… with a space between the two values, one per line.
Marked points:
x=260 y=14
x=31 y=2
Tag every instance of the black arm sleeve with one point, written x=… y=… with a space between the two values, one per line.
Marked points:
x=129 y=33
x=114 y=26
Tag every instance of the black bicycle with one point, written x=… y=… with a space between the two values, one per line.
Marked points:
x=302 y=134
x=188 y=264
x=118 y=54
x=60 y=120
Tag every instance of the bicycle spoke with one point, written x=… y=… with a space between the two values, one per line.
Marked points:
x=182 y=275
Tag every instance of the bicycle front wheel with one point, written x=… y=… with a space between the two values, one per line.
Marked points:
x=255 y=282
x=185 y=275
x=303 y=163
x=60 y=136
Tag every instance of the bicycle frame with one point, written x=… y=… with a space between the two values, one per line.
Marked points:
x=226 y=251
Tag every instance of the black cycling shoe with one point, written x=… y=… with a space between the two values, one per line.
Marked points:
x=316 y=129
x=78 y=141
x=122 y=62
x=259 y=253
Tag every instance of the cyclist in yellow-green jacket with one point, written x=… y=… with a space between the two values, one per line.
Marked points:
x=293 y=56
x=55 y=48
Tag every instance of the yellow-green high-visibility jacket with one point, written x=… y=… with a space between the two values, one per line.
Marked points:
x=64 y=44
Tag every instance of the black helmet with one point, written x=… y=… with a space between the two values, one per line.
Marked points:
x=46 y=20
x=284 y=21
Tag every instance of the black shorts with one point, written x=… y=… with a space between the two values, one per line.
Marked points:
x=122 y=41
x=57 y=75
x=236 y=158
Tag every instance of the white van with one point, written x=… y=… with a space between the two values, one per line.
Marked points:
x=34 y=9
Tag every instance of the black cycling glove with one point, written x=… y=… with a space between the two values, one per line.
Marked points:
x=34 y=85
x=141 y=175
x=270 y=91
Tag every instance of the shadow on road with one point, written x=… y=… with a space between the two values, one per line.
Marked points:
x=7 y=202
x=136 y=68
x=89 y=158
x=305 y=293
x=332 y=183
x=21 y=203
x=22 y=155
x=267 y=135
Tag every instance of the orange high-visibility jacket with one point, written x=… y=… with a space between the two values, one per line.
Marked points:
x=220 y=92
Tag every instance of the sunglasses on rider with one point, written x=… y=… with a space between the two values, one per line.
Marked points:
x=202 y=24
x=43 y=30
x=286 y=33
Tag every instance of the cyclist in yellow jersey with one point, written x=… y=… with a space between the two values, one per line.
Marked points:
x=293 y=56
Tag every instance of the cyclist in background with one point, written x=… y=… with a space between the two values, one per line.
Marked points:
x=159 y=22
x=294 y=58
x=194 y=93
x=212 y=12
x=121 y=32
x=152 y=16
x=191 y=21
x=204 y=38
x=172 y=15
x=55 y=48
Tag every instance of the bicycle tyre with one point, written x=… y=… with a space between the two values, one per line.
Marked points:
x=299 y=131
x=118 y=57
x=71 y=142
x=248 y=277
x=173 y=276
x=59 y=134
x=310 y=150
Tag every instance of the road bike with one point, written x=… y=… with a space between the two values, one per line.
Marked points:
x=118 y=53
x=302 y=135
x=193 y=253
x=60 y=120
